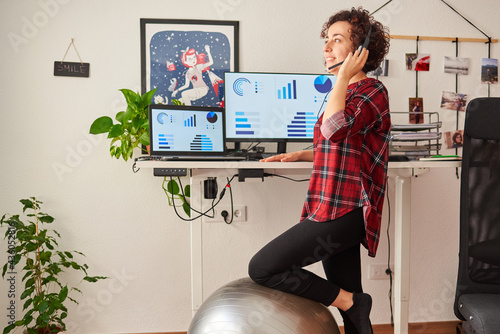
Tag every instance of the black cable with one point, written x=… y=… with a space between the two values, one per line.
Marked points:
x=388 y=270
x=489 y=56
x=190 y=208
x=472 y=24
x=322 y=103
x=134 y=168
x=251 y=146
x=284 y=177
x=232 y=206
x=416 y=72
x=221 y=195
x=376 y=10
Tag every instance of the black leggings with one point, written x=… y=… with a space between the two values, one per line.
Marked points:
x=279 y=264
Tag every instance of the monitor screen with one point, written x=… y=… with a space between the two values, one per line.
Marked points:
x=273 y=106
x=186 y=130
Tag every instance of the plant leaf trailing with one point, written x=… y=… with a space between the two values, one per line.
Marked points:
x=171 y=189
x=44 y=294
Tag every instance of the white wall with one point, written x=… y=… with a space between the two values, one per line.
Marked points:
x=122 y=221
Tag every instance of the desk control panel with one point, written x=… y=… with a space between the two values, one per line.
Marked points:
x=170 y=172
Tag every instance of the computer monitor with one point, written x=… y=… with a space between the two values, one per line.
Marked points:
x=273 y=107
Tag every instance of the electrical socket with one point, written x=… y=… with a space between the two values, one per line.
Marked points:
x=377 y=271
x=239 y=214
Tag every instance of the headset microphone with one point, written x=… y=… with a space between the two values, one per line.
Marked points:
x=361 y=47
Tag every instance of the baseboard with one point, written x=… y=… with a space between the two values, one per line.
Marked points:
x=438 y=327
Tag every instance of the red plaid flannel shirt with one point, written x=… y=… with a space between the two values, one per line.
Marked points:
x=350 y=160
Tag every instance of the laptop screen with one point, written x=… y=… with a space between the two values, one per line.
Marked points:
x=186 y=130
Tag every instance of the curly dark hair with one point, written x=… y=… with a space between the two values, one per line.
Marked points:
x=361 y=21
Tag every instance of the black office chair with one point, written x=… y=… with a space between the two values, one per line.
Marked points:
x=477 y=298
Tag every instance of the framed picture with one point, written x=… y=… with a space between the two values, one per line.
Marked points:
x=185 y=60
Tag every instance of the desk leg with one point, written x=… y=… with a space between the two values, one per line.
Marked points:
x=402 y=254
x=196 y=246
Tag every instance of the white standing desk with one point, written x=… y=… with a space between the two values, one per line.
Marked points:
x=401 y=171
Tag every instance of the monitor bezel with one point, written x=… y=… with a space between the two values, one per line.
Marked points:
x=186 y=108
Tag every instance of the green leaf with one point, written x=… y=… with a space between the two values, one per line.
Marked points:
x=45 y=256
x=43 y=306
x=9 y=328
x=29 y=283
x=119 y=116
x=144 y=139
x=29 y=204
x=63 y=294
x=115 y=131
x=46 y=219
x=27 y=303
x=101 y=125
x=173 y=187
x=146 y=98
x=186 y=208
x=94 y=279
x=27 y=292
x=187 y=191
x=131 y=97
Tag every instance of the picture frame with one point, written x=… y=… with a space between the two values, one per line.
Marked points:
x=185 y=60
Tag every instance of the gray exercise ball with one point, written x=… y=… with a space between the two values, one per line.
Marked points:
x=244 y=307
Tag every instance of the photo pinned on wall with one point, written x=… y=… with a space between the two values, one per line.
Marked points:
x=185 y=60
x=416 y=108
x=453 y=101
x=382 y=70
x=489 y=70
x=454 y=139
x=418 y=61
x=456 y=65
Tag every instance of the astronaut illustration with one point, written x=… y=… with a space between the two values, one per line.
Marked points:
x=194 y=87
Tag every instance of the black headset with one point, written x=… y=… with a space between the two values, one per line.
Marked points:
x=361 y=47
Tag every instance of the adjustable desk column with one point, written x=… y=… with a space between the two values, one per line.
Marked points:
x=401 y=171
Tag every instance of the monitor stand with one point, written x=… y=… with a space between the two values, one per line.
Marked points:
x=281 y=147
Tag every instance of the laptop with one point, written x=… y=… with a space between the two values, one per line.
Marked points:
x=188 y=133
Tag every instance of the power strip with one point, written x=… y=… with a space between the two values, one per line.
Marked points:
x=169 y=171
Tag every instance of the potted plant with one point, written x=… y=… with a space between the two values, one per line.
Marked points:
x=131 y=130
x=44 y=294
x=132 y=127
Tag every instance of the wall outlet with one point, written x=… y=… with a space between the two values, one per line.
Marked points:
x=377 y=271
x=239 y=214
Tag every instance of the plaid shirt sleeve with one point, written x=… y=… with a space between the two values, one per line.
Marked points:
x=350 y=160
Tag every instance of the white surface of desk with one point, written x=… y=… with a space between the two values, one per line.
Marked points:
x=401 y=171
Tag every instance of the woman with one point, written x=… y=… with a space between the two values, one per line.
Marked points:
x=344 y=202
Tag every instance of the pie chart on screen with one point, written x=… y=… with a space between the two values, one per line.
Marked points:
x=212 y=117
x=323 y=84
x=161 y=117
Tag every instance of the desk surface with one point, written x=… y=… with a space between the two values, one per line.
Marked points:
x=281 y=165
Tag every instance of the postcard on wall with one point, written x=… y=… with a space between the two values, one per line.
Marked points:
x=456 y=65
x=382 y=70
x=453 y=101
x=454 y=139
x=417 y=61
x=489 y=70
x=416 y=108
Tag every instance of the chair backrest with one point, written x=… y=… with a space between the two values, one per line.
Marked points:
x=479 y=257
